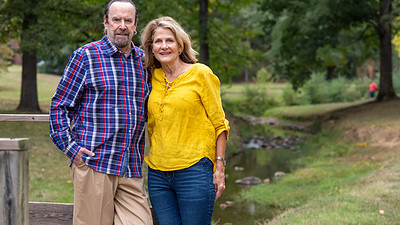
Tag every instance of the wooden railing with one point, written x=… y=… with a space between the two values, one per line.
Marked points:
x=24 y=117
x=15 y=207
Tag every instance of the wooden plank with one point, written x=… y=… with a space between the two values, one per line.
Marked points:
x=42 y=213
x=14 y=144
x=25 y=117
x=14 y=188
x=48 y=213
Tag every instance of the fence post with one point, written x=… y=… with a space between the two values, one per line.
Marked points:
x=14 y=181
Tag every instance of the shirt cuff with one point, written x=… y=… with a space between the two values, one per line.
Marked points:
x=72 y=150
x=224 y=127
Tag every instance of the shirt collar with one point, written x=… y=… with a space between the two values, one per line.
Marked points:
x=111 y=49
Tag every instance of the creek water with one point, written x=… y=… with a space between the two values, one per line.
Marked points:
x=259 y=163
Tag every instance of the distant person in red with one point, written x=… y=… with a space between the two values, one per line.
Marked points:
x=372 y=88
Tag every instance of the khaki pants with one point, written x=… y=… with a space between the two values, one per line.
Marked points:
x=102 y=199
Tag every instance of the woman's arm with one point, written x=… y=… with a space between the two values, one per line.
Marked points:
x=219 y=174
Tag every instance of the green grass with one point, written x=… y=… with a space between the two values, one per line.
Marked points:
x=236 y=91
x=49 y=179
x=309 y=111
x=319 y=172
x=348 y=173
x=10 y=89
x=359 y=203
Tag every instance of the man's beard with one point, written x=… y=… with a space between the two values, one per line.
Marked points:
x=121 y=42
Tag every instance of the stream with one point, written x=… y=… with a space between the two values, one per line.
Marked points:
x=260 y=160
x=255 y=163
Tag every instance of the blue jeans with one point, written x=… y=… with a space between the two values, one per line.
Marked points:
x=183 y=197
x=372 y=94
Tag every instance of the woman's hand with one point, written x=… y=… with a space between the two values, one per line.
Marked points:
x=219 y=179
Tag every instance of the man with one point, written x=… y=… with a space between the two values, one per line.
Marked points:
x=103 y=94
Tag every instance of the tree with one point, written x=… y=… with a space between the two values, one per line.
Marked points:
x=386 y=91
x=335 y=36
x=43 y=26
x=203 y=21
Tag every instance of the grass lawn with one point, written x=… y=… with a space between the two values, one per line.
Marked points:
x=49 y=179
x=236 y=91
x=309 y=111
x=10 y=89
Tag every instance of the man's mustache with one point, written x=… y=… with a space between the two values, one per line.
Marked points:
x=122 y=32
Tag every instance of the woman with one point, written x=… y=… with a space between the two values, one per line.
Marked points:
x=187 y=128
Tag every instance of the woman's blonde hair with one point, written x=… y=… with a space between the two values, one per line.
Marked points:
x=188 y=54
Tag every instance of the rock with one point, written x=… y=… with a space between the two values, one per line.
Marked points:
x=272 y=142
x=279 y=174
x=238 y=168
x=249 y=181
x=223 y=205
x=230 y=203
x=267 y=181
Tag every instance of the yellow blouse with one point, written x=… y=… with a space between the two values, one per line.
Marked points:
x=185 y=118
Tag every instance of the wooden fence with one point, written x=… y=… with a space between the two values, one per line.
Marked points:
x=15 y=207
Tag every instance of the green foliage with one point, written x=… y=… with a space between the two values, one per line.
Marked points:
x=332 y=56
x=396 y=81
x=318 y=90
x=294 y=97
x=254 y=102
x=309 y=36
x=56 y=61
x=74 y=23
x=264 y=76
x=58 y=22
x=6 y=56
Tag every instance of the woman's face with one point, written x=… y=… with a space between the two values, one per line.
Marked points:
x=165 y=47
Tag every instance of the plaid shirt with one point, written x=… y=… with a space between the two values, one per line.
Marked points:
x=105 y=94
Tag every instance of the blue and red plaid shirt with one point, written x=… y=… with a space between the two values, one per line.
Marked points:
x=103 y=94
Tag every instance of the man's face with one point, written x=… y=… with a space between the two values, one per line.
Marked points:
x=121 y=24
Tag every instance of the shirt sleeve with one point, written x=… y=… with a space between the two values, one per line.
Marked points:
x=149 y=79
x=211 y=99
x=63 y=105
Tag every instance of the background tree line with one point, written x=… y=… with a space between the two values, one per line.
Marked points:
x=290 y=39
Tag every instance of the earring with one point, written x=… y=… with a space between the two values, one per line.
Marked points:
x=134 y=33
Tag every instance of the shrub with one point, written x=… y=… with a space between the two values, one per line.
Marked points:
x=317 y=90
x=292 y=97
x=6 y=56
x=254 y=102
x=263 y=76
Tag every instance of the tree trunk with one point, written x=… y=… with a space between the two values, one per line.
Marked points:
x=29 y=97
x=203 y=20
x=386 y=91
x=246 y=74
x=330 y=72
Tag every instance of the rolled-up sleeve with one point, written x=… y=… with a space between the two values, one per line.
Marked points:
x=211 y=100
